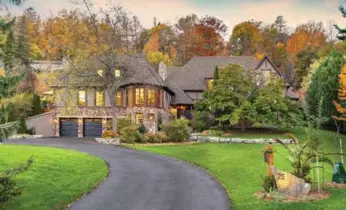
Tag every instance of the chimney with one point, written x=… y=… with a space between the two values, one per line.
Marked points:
x=163 y=71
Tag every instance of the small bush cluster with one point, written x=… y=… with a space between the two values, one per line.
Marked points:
x=109 y=134
x=201 y=121
x=159 y=137
x=216 y=132
x=8 y=187
x=269 y=184
x=177 y=130
x=129 y=134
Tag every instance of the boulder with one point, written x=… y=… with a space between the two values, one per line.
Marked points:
x=289 y=184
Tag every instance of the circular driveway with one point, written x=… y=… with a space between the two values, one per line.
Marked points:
x=142 y=181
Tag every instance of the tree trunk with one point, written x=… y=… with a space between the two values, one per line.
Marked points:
x=243 y=128
x=111 y=95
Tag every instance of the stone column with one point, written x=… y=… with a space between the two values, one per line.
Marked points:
x=80 y=127
x=104 y=124
x=56 y=127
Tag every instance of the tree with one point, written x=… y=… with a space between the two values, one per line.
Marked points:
x=304 y=59
x=342 y=31
x=311 y=71
x=244 y=40
x=273 y=108
x=36 y=105
x=233 y=88
x=324 y=84
x=244 y=116
x=280 y=24
x=216 y=75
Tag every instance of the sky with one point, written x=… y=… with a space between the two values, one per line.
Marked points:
x=231 y=12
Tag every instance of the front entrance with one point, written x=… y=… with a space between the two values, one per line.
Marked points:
x=183 y=111
x=92 y=127
x=69 y=127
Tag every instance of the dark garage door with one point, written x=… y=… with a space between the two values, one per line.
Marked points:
x=92 y=127
x=69 y=127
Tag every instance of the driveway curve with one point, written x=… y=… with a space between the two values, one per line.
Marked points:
x=142 y=181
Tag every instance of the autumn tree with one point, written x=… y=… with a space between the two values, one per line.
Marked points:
x=244 y=40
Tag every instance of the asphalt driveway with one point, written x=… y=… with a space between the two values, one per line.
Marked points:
x=143 y=181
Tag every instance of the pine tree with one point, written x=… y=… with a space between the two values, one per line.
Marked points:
x=342 y=31
x=9 y=52
x=2 y=115
x=216 y=75
x=36 y=105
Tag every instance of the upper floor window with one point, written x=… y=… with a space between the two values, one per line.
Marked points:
x=100 y=72
x=119 y=98
x=139 y=96
x=81 y=98
x=210 y=84
x=99 y=98
x=117 y=73
x=151 y=96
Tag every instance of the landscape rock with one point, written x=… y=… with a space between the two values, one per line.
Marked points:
x=289 y=184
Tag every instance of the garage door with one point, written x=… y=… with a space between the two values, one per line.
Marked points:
x=92 y=127
x=69 y=127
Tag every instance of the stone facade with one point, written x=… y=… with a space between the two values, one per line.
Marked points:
x=150 y=116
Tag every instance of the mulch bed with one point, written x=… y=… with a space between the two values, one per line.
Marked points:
x=313 y=195
x=336 y=185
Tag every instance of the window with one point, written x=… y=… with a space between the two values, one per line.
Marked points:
x=151 y=116
x=209 y=84
x=100 y=72
x=151 y=96
x=139 y=96
x=81 y=98
x=117 y=73
x=129 y=96
x=119 y=98
x=139 y=118
x=99 y=98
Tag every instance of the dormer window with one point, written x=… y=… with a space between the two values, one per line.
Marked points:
x=117 y=73
x=100 y=72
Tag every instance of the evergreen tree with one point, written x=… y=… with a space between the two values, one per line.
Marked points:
x=216 y=75
x=324 y=84
x=304 y=59
x=36 y=105
x=342 y=31
x=2 y=115
x=9 y=52
x=22 y=129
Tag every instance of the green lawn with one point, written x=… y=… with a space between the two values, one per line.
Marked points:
x=239 y=166
x=57 y=178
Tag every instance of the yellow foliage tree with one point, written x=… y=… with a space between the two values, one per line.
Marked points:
x=341 y=96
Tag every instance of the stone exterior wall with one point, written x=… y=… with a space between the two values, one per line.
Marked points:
x=106 y=113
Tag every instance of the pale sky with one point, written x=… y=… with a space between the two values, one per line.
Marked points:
x=231 y=12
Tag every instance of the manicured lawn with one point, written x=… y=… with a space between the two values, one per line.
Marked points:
x=239 y=167
x=57 y=178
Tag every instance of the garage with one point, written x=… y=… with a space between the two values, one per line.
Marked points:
x=69 y=127
x=92 y=127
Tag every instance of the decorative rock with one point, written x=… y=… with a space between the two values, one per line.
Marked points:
x=114 y=141
x=289 y=184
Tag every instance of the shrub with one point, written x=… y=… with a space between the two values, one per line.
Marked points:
x=22 y=104
x=128 y=134
x=123 y=122
x=205 y=133
x=141 y=138
x=216 y=132
x=161 y=136
x=11 y=117
x=22 y=129
x=8 y=187
x=269 y=183
x=177 y=130
x=152 y=138
x=201 y=121
x=142 y=129
x=109 y=134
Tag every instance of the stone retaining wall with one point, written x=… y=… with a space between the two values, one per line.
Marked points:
x=215 y=139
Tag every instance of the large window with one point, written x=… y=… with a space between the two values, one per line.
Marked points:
x=151 y=96
x=139 y=96
x=119 y=98
x=99 y=98
x=139 y=118
x=81 y=98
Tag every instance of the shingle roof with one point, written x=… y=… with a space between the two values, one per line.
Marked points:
x=192 y=76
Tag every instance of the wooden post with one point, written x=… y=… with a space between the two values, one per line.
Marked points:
x=270 y=158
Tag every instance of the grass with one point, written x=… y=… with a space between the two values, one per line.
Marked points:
x=57 y=177
x=239 y=167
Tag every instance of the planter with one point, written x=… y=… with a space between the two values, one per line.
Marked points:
x=113 y=141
